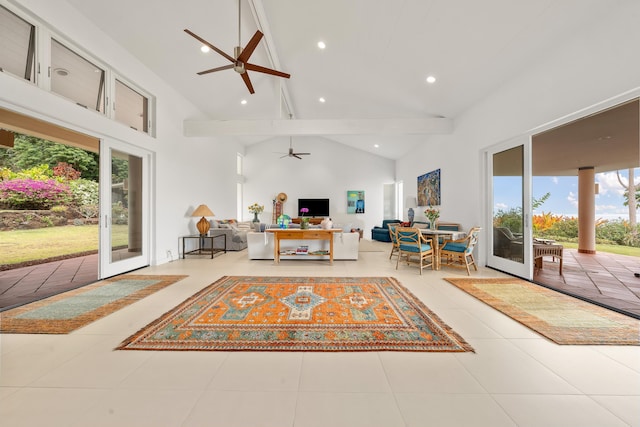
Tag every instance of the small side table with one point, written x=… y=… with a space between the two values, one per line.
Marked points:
x=201 y=246
x=542 y=250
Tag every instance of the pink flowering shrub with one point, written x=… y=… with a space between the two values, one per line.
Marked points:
x=26 y=193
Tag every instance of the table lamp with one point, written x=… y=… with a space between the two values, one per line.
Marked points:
x=203 y=225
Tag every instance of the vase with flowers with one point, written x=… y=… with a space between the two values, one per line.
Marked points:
x=304 y=220
x=256 y=209
x=432 y=213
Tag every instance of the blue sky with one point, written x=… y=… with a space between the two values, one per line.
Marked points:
x=564 y=194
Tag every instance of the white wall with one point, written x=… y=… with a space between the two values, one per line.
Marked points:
x=591 y=66
x=330 y=171
x=183 y=176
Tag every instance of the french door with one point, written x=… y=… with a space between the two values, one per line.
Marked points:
x=124 y=208
x=509 y=207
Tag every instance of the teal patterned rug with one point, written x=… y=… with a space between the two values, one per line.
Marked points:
x=260 y=313
x=63 y=313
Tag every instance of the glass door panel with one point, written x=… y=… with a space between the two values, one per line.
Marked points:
x=124 y=220
x=510 y=210
x=126 y=204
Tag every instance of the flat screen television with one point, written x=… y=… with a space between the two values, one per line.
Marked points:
x=317 y=207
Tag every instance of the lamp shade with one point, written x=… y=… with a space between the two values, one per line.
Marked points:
x=203 y=225
x=202 y=210
x=411 y=202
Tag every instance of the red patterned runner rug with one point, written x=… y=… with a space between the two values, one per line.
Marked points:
x=261 y=313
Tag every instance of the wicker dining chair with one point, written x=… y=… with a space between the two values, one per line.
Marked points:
x=459 y=253
x=394 y=240
x=415 y=248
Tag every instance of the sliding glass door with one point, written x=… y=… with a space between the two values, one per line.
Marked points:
x=124 y=220
x=509 y=207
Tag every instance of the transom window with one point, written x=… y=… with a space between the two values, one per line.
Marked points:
x=75 y=78
x=34 y=52
x=17 y=45
x=131 y=107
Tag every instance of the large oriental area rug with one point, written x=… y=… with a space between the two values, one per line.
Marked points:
x=300 y=314
x=561 y=318
x=63 y=313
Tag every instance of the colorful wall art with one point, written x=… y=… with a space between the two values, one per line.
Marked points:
x=429 y=189
x=355 y=202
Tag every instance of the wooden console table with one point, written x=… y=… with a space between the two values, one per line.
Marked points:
x=541 y=250
x=299 y=234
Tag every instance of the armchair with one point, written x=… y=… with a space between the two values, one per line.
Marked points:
x=393 y=234
x=506 y=244
x=411 y=243
x=459 y=253
x=447 y=226
x=382 y=233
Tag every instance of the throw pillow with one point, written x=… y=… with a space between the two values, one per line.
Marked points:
x=244 y=225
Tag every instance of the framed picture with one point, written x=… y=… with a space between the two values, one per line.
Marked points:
x=355 y=202
x=429 y=189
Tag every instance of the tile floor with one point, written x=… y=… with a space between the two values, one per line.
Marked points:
x=515 y=377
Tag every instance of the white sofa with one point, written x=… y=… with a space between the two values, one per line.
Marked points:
x=345 y=246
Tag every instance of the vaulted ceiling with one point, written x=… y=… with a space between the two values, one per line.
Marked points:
x=378 y=55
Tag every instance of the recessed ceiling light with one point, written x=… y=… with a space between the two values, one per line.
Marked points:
x=376 y=146
x=431 y=79
x=243 y=102
x=322 y=100
x=204 y=49
x=321 y=45
x=63 y=72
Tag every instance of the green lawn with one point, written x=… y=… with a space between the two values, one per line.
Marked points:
x=614 y=249
x=26 y=245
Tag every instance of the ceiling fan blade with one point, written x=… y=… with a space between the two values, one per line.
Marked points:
x=302 y=154
x=286 y=155
x=213 y=70
x=209 y=45
x=265 y=70
x=297 y=157
x=247 y=81
x=250 y=47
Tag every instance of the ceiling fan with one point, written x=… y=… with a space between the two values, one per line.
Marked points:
x=292 y=153
x=241 y=57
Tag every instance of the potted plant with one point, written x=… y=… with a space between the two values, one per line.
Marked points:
x=432 y=213
x=256 y=209
x=304 y=220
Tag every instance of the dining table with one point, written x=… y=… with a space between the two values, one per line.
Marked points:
x=436 y=234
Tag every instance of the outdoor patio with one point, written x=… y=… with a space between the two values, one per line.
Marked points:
x=604 y=278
